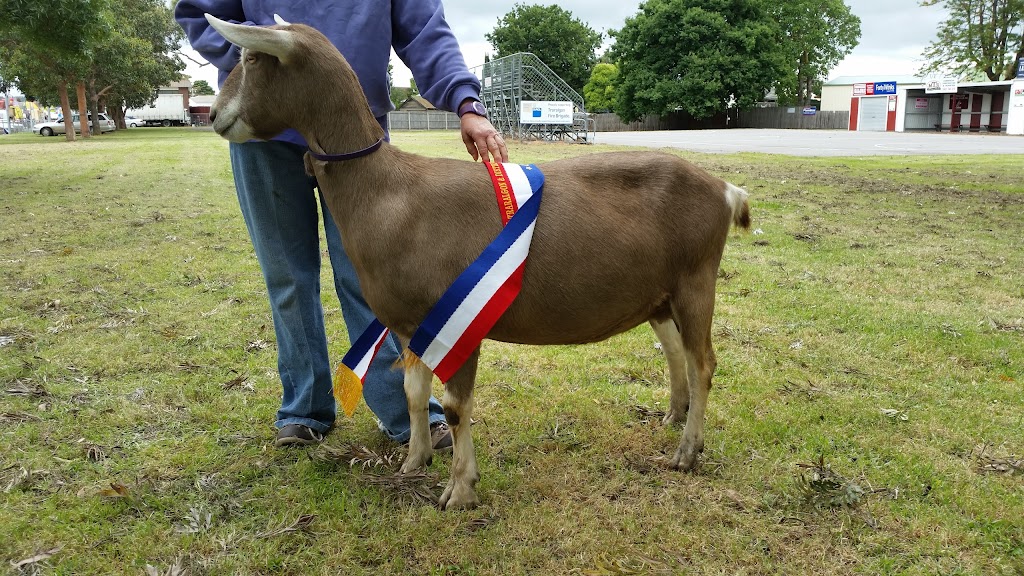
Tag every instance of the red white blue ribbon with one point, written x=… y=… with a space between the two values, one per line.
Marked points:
x=475 y=301
x=480 y=295
x=351 y=373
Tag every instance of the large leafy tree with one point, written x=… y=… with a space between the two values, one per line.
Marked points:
x=700 y=56
x=979 y=38
x=46 y=46
x=113 y=51
x=819 y=34
x=202 y=88
x=136 y=57
x=599 y=93
x=565 y=44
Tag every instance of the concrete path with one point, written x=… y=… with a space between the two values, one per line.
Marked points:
x=818 y=142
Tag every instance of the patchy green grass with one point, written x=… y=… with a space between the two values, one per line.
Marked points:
x=866 y=417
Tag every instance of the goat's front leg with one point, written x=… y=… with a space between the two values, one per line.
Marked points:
x=417 y=393
x=458 y=410
x=675 y=355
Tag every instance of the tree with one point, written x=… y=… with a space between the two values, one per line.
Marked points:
x=599 y=93
x=399 y=95
x=819 y=34
x=564 y=43
x=113 y=51
x=700 y=56
x=45 y=61
x=202 y=88
x=138 y=56
x=980 y=37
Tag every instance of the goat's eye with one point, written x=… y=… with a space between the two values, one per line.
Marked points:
x=250 y=58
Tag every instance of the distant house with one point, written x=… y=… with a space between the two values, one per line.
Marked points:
x=199 y=108
x=416 y=113
x=416 y=103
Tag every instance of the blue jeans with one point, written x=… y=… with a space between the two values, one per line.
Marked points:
x=279 y=204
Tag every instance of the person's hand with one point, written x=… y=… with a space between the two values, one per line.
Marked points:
x=482 y=140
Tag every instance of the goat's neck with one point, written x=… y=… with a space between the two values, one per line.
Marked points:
x=338 y=120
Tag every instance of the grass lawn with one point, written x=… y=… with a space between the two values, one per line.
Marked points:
x=867 y=415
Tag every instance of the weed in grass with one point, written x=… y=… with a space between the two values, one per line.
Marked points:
x=986 y=463
x=821 y=487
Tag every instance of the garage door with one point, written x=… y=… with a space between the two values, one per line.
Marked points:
x=873 y=112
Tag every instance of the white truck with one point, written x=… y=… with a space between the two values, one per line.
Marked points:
x=166 y=110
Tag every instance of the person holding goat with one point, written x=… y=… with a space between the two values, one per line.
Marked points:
x=280 y=201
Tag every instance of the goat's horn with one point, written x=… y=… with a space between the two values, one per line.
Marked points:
x=274 y=42
x=281 y=21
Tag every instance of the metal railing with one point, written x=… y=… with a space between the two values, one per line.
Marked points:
x=507 y=82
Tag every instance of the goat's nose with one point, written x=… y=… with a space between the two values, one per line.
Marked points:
x=213 y=114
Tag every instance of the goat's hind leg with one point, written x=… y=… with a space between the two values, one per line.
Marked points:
x=458 y=409
x=693 y=316
x=672 y=346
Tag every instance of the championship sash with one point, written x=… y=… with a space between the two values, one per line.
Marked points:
x=472 y=305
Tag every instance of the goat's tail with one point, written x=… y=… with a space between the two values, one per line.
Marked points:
x=737 y=199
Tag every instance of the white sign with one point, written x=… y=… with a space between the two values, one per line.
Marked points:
x=944 y=85
x=1015 y=118
x=545 y=112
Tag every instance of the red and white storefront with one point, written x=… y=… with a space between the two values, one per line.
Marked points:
x=969 y=107
x=873 y=106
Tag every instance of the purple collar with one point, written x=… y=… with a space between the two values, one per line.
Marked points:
x=348 y=155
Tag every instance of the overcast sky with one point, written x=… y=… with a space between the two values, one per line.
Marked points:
x=894 y=33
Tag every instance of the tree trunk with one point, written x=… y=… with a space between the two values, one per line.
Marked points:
x=65 y=108
x=83 y=112
x=94 y=108
x=116 y=114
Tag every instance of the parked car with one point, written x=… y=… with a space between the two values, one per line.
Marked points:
x=54 y=128
x=133 y=122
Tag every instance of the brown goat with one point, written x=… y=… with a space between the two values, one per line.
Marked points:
x=621 y=238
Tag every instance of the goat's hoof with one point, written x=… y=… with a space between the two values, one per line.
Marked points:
x=412 y=465
x=686 y=458
x=674 y=417
x=458 y=497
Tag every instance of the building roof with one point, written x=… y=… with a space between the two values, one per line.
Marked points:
x=417 y=99
x=897 y=78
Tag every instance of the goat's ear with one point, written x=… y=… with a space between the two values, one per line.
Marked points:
x=281 y=21
x=280 y=43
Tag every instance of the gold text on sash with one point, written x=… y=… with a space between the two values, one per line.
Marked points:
x=504 y=193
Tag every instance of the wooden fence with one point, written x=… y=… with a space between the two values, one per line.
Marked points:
x=609 y=122
x=422 y=120
x=755 y=118
x=784 y=117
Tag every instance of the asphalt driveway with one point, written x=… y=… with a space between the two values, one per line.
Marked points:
x=818 y=142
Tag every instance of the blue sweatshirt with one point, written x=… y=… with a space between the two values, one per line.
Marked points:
x=364 y=31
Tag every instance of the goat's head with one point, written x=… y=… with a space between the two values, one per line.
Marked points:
x=282 y=70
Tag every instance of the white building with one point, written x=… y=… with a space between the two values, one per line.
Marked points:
x=900 y=103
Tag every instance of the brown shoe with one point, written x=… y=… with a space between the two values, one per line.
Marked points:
x=297 y=435
x=440 y=436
